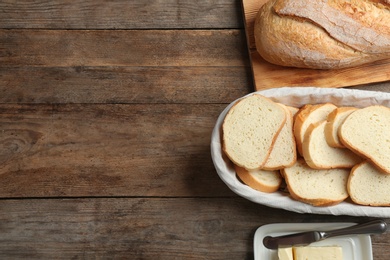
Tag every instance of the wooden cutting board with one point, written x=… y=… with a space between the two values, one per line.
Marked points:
x=267 y=75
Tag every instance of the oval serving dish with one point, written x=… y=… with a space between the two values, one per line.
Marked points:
x=298 y=96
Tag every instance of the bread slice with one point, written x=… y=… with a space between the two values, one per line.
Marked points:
x=261 y=180
x=367 y=132
x=293 y=110
x=250 y=129
x=316 y=187
x=334 y=120
x=307 y=115
x=367 y=185
x=319 y=155
x=284 y=152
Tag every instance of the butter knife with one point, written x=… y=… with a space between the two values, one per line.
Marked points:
x=306 y=238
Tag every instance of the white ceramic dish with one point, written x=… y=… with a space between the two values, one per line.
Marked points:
x=298 y=96
x=355 y=247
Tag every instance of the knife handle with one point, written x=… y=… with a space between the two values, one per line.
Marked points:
x=372 y=227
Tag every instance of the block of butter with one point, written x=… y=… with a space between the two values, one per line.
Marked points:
x=311 y=253
x=285 y=253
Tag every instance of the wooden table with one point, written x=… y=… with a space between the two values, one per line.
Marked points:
x=106 y=114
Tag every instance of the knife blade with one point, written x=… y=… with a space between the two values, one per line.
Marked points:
x=308 y=237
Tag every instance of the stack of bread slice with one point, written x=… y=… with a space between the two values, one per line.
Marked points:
x=258 y=138
x=322 y=153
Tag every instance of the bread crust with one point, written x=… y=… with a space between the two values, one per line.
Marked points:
x=324 y=34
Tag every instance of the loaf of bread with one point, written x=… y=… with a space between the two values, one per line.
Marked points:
x=323 y=34
x=366 y=131
x=316 y=187
x=369 y=186
x=250 y=129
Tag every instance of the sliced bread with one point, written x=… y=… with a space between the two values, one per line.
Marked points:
x=307 y=115
x=261 y=180
x=319 y=155
x=293 y=110
x=284 y=152
x=250 y=129
x=367 y=132
x=367 y=185
x=316 y=187
x=334 y=120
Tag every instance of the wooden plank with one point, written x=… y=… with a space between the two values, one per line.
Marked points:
x=267 y=75
x=100 y=14
x=124 y=84
x=73 y=150
x=142 y=228
x=63 y=48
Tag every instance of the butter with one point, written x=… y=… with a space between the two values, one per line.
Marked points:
x=318 y=253
x=285 y=253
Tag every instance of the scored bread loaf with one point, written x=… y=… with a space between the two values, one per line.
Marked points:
x=333 y=122
x=319 y=155
x=367 y=132
x=284 y=152
x=323 y=34
x=249 y=130
x=367 y=185
x=261 y=180
x=316 y=187
x=307 y=115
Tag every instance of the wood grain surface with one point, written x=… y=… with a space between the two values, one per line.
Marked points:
x=90 y=14
x=59 y=48
x=267 y=75
x=123 y=84
x=106 y=114
x=79 y=150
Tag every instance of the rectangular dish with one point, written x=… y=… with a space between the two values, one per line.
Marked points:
x=355 y=247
